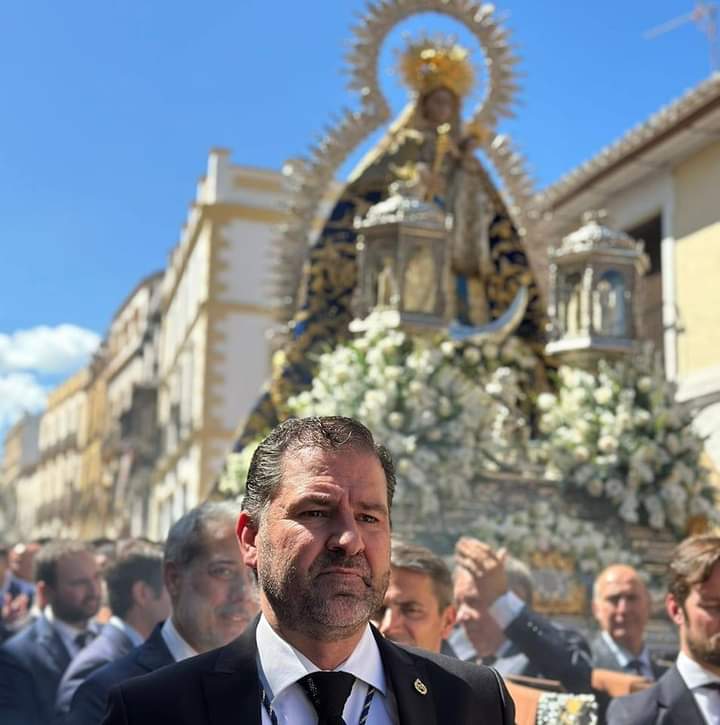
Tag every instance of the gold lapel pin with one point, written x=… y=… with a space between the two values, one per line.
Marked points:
x=420 y=686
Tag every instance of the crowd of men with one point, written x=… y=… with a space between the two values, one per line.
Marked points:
x=298 y=607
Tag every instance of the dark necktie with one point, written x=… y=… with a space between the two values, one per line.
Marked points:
x=84 y=638
x=635 y=666
x=328 y=691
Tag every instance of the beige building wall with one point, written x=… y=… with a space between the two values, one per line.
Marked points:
x=214 y=354
x=697 y=254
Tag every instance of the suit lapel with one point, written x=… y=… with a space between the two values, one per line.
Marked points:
x=677 y=701
x=232 y=688
x=51 y=641
x=153 y=653
x=410 y=684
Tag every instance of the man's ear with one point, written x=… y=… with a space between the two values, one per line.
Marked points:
x=247 y=533
x=140 y=592
x=448 y=620
x=172 y=578
x=674 y=610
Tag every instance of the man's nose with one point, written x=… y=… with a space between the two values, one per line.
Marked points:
x=346 y=534
x=389 y=621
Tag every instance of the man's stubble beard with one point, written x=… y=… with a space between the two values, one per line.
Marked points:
x=705 y=651
x=300 y=604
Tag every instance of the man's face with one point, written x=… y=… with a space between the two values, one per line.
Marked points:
x=622 y=607
x=21 y=560
x=472 y=612
x=699 y=621
x=411 y=613
x=213 y=597
x=322 y=551
x=75 y=597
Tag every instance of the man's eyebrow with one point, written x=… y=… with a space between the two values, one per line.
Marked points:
x=370 y=507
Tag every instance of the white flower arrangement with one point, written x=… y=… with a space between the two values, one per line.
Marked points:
x=545 y=528
x=232 y=478
x=619 y=435
x=445 y=409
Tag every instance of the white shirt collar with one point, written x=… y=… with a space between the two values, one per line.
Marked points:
x=283 y=665
x=67 y=632
x=694 y=674
x=129 y=631
x=622 y=655
x=179 y=648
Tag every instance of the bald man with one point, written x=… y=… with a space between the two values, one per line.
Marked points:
x=621 y=605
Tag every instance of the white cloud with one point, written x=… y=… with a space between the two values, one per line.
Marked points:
x=47 y=350
x=19 y=393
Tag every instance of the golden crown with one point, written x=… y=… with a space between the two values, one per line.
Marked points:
x=428 y=64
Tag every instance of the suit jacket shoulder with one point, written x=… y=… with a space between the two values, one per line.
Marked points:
x=108 y=646
x=89 y=701
x=221 y=686
x=31 y=665
x=668 y=701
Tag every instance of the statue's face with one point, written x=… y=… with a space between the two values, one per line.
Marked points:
x=439 y=106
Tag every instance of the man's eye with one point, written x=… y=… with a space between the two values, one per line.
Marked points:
x=315 y=514
x=368 y=518
x=223 y=572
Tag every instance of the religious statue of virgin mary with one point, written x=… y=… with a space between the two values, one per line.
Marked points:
x=429 y=151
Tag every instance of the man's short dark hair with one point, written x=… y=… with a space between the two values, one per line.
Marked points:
x=519 y=579
x=420 y=559
x=4 y=551
x=135 y=562
x=328 y=433
x=46 y=560
x=187 y=537
x=692 y=563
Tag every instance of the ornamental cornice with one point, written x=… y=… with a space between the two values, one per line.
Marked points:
x=662 y=122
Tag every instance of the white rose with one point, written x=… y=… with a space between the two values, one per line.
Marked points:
x=607 y=444
x=546 y=401
x=645 y=384
x=494 y=389
x=445 y=407
x=395 y=420
x=595 y=487
x=472 y=355
x=602 y=396
x=491 y=350
x=581 y=454
x=447 y=348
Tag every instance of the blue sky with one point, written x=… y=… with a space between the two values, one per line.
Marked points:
x=109 y=110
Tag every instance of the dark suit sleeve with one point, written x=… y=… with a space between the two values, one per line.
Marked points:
x=115 y=714
x=558 y=653
x=638 y=709
x=508 y=705
x=88 y=704
x=18 y=700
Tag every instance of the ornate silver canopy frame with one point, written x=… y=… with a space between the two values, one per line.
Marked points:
x=310 y=177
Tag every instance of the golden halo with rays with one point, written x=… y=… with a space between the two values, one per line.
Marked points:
x=429 y=63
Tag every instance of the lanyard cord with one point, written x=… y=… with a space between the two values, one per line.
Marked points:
x=363 y=714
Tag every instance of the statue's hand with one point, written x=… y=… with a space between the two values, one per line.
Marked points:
x=486 y=566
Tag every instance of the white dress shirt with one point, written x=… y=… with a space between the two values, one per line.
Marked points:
x=179 y=648
x=624 y=657
x=281 y=666
x=695 y=676
x=130 y=632
x=68 y=632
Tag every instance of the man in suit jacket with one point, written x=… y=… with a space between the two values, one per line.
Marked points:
x=138 y=600
x=212 y=600
x=33 y=661
x=621 y=605
x=493 y=594
x=689 y=692
x=316 y=530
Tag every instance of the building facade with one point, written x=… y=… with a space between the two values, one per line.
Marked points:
x=216 y=314
x=659 y=183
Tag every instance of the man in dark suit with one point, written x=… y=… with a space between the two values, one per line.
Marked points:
x=621 y=605
x=138 y=600
x=33 y=661
x=212 y=600
x=316 y=530
x=493 y=594
x=689 y=692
